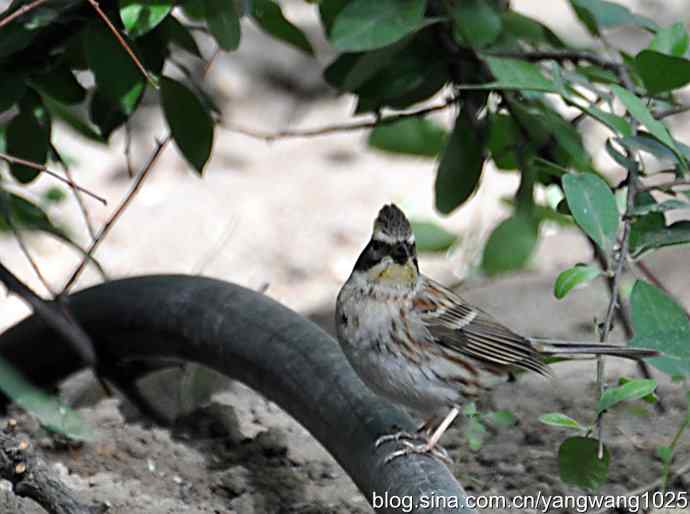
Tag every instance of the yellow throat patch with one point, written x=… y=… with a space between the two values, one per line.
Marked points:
x=397 y=274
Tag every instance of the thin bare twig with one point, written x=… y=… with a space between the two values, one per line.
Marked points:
x=32 y=262
x=54 y=315
x=22 y=10
x=128 y=151
x=43 y=169
x=345 y=127
x=619 y=257
x=123 y=43
x=118 y=212
x=210 y=62
x=77 y=194
x=623 y=315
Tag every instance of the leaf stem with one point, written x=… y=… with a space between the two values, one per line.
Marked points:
x=674 y=442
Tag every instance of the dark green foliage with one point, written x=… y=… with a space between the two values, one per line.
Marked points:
x=580 y=465
x=190 y=122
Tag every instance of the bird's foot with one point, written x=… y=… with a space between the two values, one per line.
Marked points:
x=420 y=449
x=398 y=436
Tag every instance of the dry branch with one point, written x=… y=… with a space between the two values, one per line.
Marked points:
x=43 y=169
x=32 y=478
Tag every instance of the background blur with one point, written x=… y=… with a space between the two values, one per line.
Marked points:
x=292 y=215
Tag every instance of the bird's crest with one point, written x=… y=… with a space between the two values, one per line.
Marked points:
x=391 y=225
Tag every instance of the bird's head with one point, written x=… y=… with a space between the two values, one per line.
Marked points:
x=390 y=258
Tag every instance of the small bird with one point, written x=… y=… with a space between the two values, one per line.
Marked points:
x=420 y=345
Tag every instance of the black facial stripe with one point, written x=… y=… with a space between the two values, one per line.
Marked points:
x=376 y=250
x=372 y=254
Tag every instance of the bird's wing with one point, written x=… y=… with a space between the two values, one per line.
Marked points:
x=464 y=328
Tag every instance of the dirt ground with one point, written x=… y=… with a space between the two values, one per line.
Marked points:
x=294 y=215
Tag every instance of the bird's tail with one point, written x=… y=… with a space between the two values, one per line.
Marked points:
x=549 y=347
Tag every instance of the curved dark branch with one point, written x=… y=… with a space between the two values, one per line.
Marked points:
x=249 y=337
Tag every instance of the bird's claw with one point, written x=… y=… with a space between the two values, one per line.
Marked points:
x=410 y=448
x=396 y=437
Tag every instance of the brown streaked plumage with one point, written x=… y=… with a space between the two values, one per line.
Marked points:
x=420 y=345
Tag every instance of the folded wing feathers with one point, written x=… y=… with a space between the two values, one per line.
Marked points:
x=465 y=329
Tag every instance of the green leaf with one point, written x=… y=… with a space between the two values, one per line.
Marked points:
x=556 y=419
x=632 y=390
x=672 y=40
x=594 y=208
x=73 y=118
x=502 y=418
x=460 y=166
x=141 y=16
x=510 y=245
x=329 y=10
x=117 y=77
x=269 y=17
x=403 y=73
x=106 y=114
x=11 y=89
x=59 y=84
x=667 y=205
x=661 y=72
x=664 y=453
x=639 y=111
x=47 y=409
x=649 y=398
x=475 y=22
x=600 y=14
x=573 y=277
x=28 y=137
x=517 y=74
x=580 y=465
x=359 y=68
x=411 y=136
x=660 y=323
x=618 y=124
x=174 y=32
x=53 y=196
x=366 y=25
x=650 y=232
x=645 y=142
x=190 y=123
x=597 y=74
x=224 y=23
x=528 y=29
x=430 y=237
x=470 y=409
x=504 y=138
x=26 y=215
x=475 y=433
x=14 y=37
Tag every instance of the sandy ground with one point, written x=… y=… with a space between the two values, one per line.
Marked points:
x=294 y=215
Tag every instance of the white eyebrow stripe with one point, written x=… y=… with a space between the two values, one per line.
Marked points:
x=384 y=238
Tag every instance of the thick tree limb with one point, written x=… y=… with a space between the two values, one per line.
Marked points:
x=254 y=339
